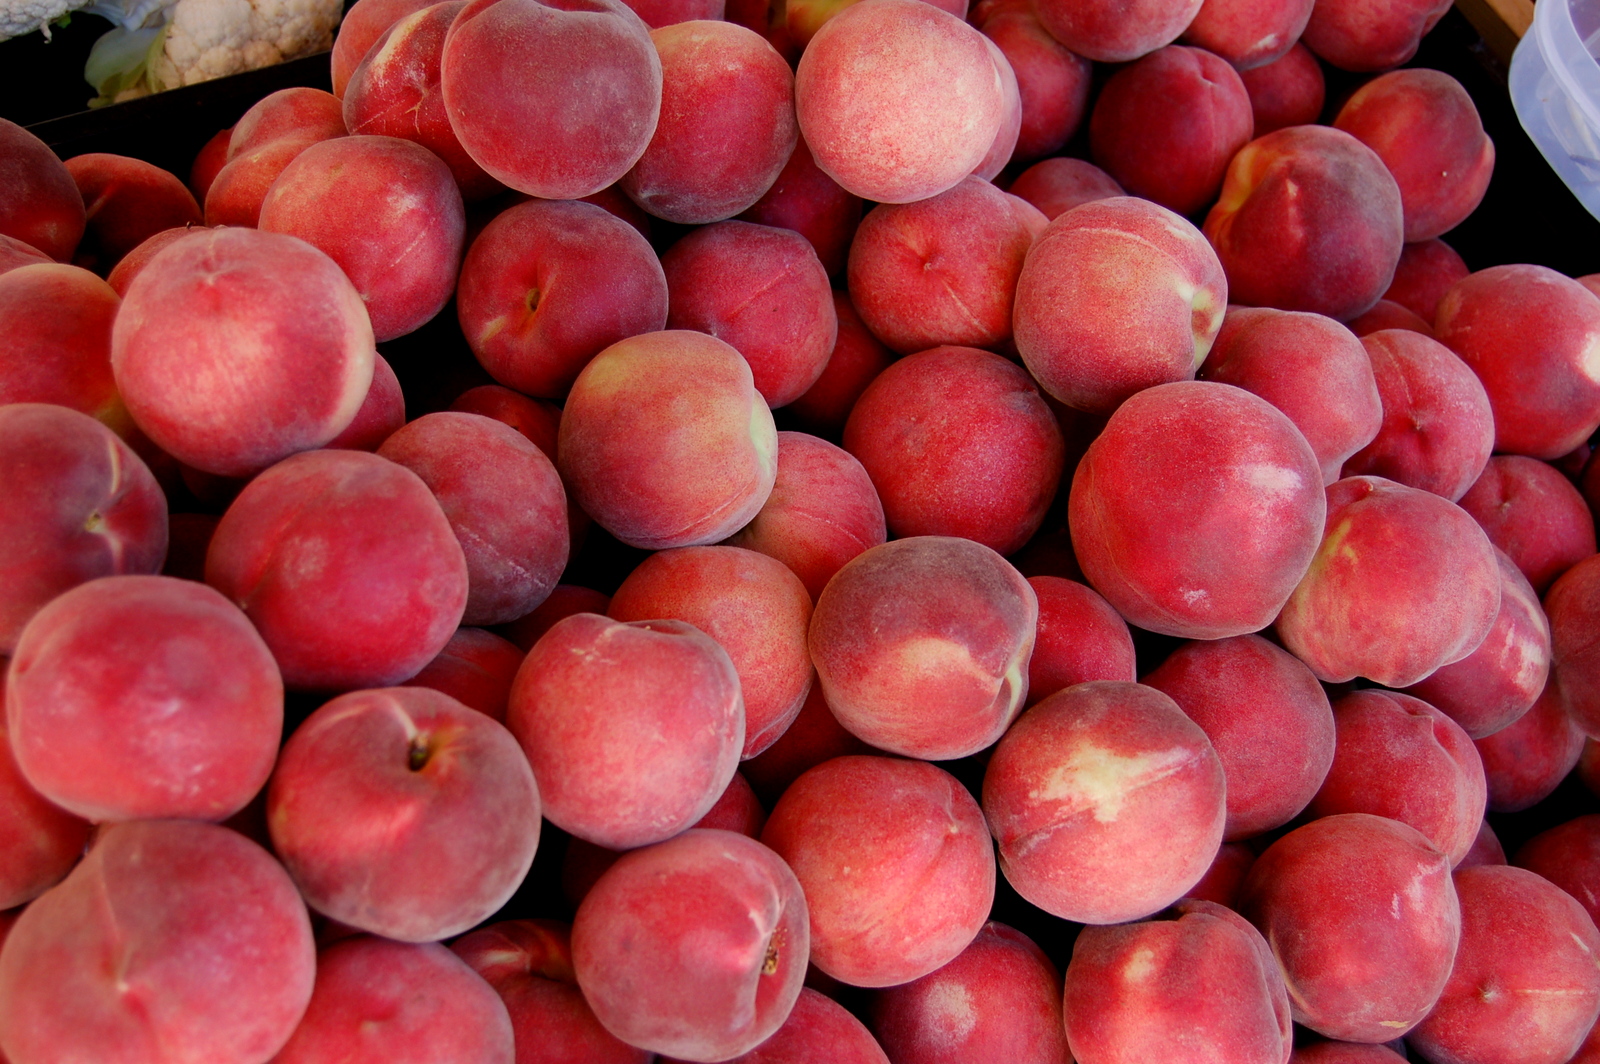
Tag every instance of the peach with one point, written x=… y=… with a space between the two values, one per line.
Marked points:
x=364 y=22
x=234 y=198
x=695 y=947
x=1166 y=126
x=381 y=414
x=1403 y=582
x=210 y=159
x=123 y=273
x=126 y=201
x=1226 y=875
x=475 y=668
x=762 y=290
x=1309 y=219
x=921 y=646
x=14 y=253
x=633 y=730
x=1526 y=760
x=539 y=420
x=1249 y=34
x=1532 y=336
x=815 y=736
x=1308 y=366
x=40 y=841
x=727 y=124
x=1533 y=513
x=57 y=322
x=1568 y=855
x=1116 y=32
x=564 y=601
x=555 y=99
x=1366 y=35
x=1571 y=605
x=346 y=565
x=1080 y=638
x=1345 y=1053
x=1197 y=511
x=1486 y=849
x=1387 y=315
x=807 y=200
x=1362 y=915
x=661 y=13
x=818 y=1031
x=1005 y=138
x=895 y=862
x=1267 y=718
x=173 y=941
x=857 y=359
x=1057 y=185
x=1106 y=801
x=666 y=442
x=1288 y=91
x=1426 y=272
x=402 y=812
x=79 y=505
x=801 y=19
x=1052 y=81
x=898 y=100
x=39 y=202
x=942 y=270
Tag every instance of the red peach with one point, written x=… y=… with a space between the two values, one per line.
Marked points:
x=807 y=200
x=1526 y=760
x=126 y=201
x=123 y=273
x=1387 y=315
x=1057 y=185
x=381 y=414
x=57 y=321
x=1249 y=34
x=857 y=359
x=564 y=601
x=818 y=1031
x=1226 y=875
x=475 y=668
x=1426 y=272
x=1116 y=32
x=39 y=202
x=208 y=161
x=364 y=22
x=1365 y=35
x=14 y=253
x=1286 y=92
x=1080 y=638
x=1486 y=849
x=1568 y=855
x=40 y=842
x=1533 y=513
x=815 y=736
x=1571 y=605
x=1053 y=81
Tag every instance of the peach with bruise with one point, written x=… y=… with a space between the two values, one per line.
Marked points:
x=39 y=202
x=598 y=702
x=564 y=601
x=402 y=812
x=1052 y=81
x=1106 y=801
x=922 y=645
x=1249 y=34
x=1370 y=35
x=857 y=359
x=57 y=323
x=1533 y=337
x=665 y=441
x=807 y=200
x=173 y=941
x=1226 y=875
x=346 y=565
x=942 y=270
x=1387 y=315
x=1267 y=718
x=40 y=842
x=762 y=290
x=898 y=99
x=727 y=124
x=394 y=92
x=547 y=286
x=1110 y=32
x=695 y=947
x=579 y=120
x=895 y=862
x=1362 y=915
x=958 y=442
x=382 y=1002
x=1288 y=91
x=814 y=736
x=1197 y=510
x=1568 y=855
x=1533 y=513
x=388 y=212
x=125 y=201
x=1058 y=184
x=381 y=414
x=1438 y=429
x=1497 y=683
x=475 y=668
x=1526 y=760
x=143 y=697
x=1308 y=366
x=235 y=348
x=1526 y=984
x=1197 y=982
x=1080 y=638
x=1427 y=270
x=1166 y=126
x=1309 y=219
x=363 y=24
x=1403 y=582
x=529 y=964
x=79 y=505
x=1116 y=296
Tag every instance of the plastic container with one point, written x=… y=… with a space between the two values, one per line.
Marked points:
x=1555 y=87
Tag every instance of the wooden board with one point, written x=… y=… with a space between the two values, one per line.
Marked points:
x=1501 y=23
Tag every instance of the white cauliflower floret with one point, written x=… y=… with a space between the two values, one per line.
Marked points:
x=24 y=16
x=213 y=38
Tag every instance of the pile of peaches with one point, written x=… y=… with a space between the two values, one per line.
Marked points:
x=292 y=682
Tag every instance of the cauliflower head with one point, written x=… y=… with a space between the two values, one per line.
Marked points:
x=213 y=38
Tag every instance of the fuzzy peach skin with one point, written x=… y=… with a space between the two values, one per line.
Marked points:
x=1403 y=582
x=1526 y=982
x=1166 y=126
x=564 y=601
x=346 y=565
x=1497 y=683
x=123 y=273
x=1572 y=604
x=1423 y=124
x=1117 y=296
x=298 y=112
x=1531 y=511
x=898 y=99
x=807 y=200
x=1288 y=91
x=1052 y=81
x=800 y=20
x=750 y=604
x=1266 y=716
x=1310 y=367
x=1197 y=510
x=1426 y=272
x=823 y=511
x=921 y=646
x=958 y=442
x=1196 y=983
x=1370 y=35
x=1362 y=915
x=695 y=947
x=235 y=348
x=39 y=202
x=1389 y=315
x=1249 y=34
x=79 y=505
x=57 y=321
x=556 y=99
x=1526 y=760
x=1080 y=638
x=660 y=13
x=814 y=736
x=665 y=441
x=1223 y=879
x=14 y=253
x=142 y=697
x=39 y=841
x=1058 y=184
x=942 y=270
x=818 y=1031
x=475 y=668
x=1116 y=32
x=1005 y=138
x=1568 y=855
x=381 y=415
x=364 y=22
x=727 y=124
x=125 y=201
x=1345 y=1053
x=633 y=730
x=1533 y=337
x=895 y=861
x=1000 y=999
x=382 y=1002
x=1106 y=802
x=211 y=157
x=857 y=359
x=1309 y=219
x=174 y=941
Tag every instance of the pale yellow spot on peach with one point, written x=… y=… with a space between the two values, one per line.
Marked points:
x=1102 y=779
x=950 y=1014
x=1589 y=362
x=1141 y=966
x=1272 y=480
